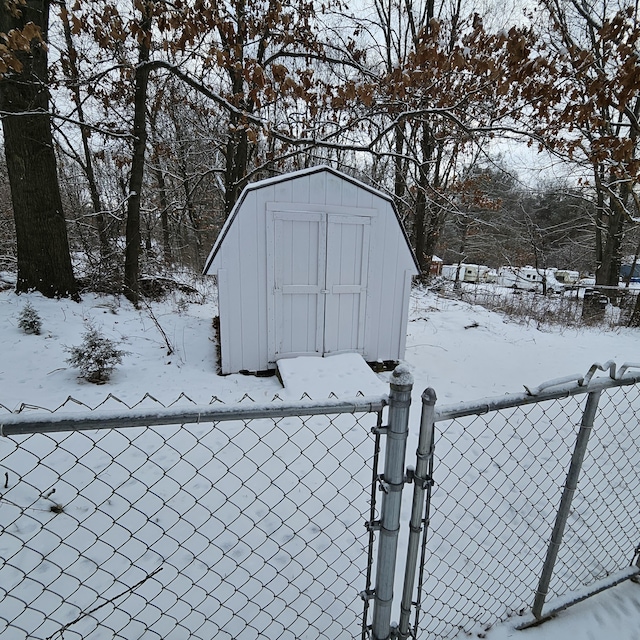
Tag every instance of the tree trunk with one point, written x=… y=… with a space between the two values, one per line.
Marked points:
x=44 y=262
x=608 y=271
x=435 y=221
x=133 y=238
x=399 y=167
x=608 y=252
x=421 y=218
x=189 y=205
x=158 y=171
x=73 y=76
x=237 y=155
x=194 y=218
x=419 y=229
x=632 y=267
x=164 y=215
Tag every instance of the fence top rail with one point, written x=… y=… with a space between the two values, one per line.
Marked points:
x=552 y=390
x=26 y=423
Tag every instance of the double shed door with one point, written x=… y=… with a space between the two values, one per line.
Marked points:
x=319 y=264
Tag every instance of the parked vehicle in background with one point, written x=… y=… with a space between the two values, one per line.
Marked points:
x=471 y=273
x=489 y=275
x=625 y=272
x=567 y=277
x=529 y=279
x=449 y=271
x=474 y=273
x=461 y=272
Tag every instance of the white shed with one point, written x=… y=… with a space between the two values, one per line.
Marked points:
x=311 y=263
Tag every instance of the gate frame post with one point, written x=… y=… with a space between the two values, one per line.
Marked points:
x=392 y=483
x=422 y=482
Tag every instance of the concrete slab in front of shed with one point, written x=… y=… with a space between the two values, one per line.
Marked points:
x=345 y=375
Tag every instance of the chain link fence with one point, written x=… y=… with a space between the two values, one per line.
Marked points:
x=248 y=521
x=232 y=522
x=502 y=483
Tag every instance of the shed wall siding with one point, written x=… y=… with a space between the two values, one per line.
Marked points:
x=318 y=188
x=366 y=198
x=350 y=195
x=300 y=190
x=333 y=194
x=244 y=328
x=385 y=319
x=252 y=256
x=282 y=192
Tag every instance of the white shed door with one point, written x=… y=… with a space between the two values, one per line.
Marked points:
x=346 y=282
x=320 y=264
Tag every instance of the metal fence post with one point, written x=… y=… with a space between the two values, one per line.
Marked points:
x=392 y=483
x=421 y=481
x=565 y=503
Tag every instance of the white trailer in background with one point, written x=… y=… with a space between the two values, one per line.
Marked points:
x=469 y=273
x=567 y=277
x=449 y=271
x=489 y=276
x=529 y=279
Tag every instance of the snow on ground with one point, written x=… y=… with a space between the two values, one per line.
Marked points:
x=464 y=352
x=615 y=614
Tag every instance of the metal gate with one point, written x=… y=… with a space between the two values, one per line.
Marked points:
x=529 y=502
x=193 y=522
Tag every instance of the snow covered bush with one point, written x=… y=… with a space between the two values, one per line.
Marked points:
x=29 y=320
x=96 y=357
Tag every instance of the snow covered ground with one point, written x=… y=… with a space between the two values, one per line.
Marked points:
x=464 y=352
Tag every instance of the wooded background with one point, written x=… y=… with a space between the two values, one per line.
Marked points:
x=130 y=128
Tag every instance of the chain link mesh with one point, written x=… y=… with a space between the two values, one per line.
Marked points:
x=254 y=527
x=240 y=530
x=498 y=482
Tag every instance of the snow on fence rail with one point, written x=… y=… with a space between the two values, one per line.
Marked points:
x=247 y=521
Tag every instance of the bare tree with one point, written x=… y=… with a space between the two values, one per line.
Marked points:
x=134 y=197
x=443 y=86
x=591 y=118
x=72 y=73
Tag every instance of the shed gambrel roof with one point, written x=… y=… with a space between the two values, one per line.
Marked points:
x=293 y=176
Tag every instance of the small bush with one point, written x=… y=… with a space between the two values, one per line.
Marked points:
x=96 y=357
x=29 y=320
